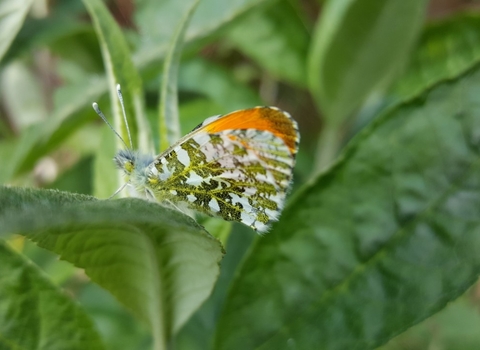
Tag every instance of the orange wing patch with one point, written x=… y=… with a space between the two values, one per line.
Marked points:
x=260 y=118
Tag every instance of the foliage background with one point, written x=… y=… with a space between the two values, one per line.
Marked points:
x=332 y=76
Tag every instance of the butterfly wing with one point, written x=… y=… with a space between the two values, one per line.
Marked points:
x=237 y=166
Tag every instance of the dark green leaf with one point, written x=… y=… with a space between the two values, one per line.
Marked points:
x=157 y=262
x=35 y=314
x=383 y=240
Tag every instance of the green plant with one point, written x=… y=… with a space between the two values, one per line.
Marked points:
x=381 y=230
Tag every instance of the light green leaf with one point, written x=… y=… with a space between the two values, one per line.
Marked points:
x=383 y=240
x=12 y=15
x=276 y=39
x=169 y=119
x=157 y=262
x=357 y=47
x=35 y=314
x=120 y=70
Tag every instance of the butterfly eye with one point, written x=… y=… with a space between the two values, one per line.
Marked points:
x=129 y=166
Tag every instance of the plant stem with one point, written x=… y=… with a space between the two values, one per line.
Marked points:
x=329 y=144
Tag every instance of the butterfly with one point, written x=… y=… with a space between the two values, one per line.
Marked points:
x=237 y=166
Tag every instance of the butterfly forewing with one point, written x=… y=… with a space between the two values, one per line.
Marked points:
x=237 y=166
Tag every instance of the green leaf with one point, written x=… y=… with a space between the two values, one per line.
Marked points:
x=380 y=242
x=35 y=314
x=276 y=39
x=12 y=15
x=157 y=22
x=359 y=46
x=169 y=119
x=203 y=77
x=120 y=69
x=157 y=262
x=446 y=49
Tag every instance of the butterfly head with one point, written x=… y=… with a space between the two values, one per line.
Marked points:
x=126 y=160
x=131 y=162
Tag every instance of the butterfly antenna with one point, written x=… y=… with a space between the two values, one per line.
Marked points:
x=120 y=97
x=101 y=115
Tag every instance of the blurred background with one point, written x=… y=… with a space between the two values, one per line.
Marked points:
x=238 y=54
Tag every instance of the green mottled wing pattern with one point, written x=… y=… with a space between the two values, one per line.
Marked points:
x=240 y=175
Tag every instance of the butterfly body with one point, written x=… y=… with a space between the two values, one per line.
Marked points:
x=236 y=166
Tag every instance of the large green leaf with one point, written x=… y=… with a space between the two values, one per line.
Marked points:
x=357 y=47
x=35 y=314
x=276 y=38
x=157 y=262
x=12 y=15
x=384 y=239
